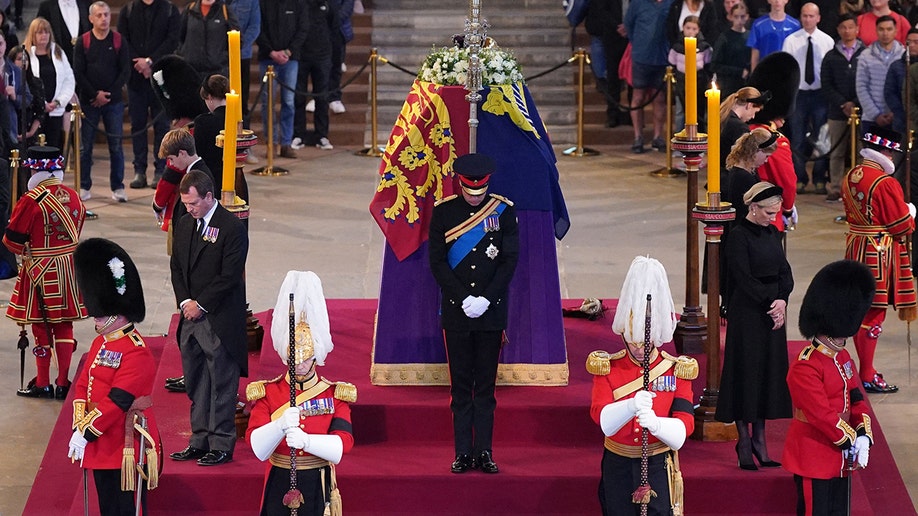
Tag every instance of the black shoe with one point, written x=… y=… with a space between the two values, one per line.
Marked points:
x=659 y=143
x=156 y=178
x=764 y=463
x=612 y=119
x=638 y=146
x=879 y=385
x=60 y=391
x=178 y=385
x=215 y=458
x=189 y=453
x=486 y=463
x=745 y=459
x=31 y=391
x=140 y=181
x=462 y=463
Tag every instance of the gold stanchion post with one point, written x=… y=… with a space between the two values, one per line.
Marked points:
x=14 y=168
x=579 y=151
x=374 y=150
x=668 y=171
x=269 y=169
x=76 y=120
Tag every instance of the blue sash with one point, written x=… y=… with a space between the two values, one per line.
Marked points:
x=464 y=244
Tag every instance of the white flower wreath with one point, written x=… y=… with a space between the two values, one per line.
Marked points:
x=449 y=66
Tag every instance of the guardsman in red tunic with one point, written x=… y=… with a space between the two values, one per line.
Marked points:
x=879 y=223
x=830 y=435
x=622 y=407
x=44 y=228
x=114 y=430
x=318 y=428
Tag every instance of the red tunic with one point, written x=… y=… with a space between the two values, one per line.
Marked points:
x=48 y=218
x=328 y=415
x=829 y=412
x=779 y=171
x=167 y=193
x=119 y=368
x=674 y=398
x=879 y=222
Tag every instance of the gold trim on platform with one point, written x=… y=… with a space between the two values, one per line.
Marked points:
x=546 y=375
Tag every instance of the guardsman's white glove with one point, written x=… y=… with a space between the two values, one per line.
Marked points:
x=669 y=430
x=296 y=438
x=77 y=446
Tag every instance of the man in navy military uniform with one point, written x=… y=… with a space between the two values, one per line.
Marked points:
x=474 y=246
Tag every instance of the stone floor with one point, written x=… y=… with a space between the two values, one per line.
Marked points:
x=316 y=218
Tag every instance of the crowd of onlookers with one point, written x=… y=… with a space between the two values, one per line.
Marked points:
x=73 y=53
x=850 y=54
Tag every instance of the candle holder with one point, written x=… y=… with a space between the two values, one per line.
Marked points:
x=714 y=214
x=691 y=330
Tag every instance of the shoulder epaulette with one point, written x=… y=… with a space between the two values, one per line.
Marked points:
x=138 y=340
x=686 y=368
x=599 y=362
x=256 y=390
x=344 y=391
x=806 y=352
x=443 y=200
x=502 y=199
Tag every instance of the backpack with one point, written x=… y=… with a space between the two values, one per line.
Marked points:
x=116 y=38
x=575 y=11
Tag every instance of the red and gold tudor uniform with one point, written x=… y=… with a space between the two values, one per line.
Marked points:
x=618 y=377
x=46 y=223
x=324 y=409
x=116 y=382
x=829 y=412
x=878 y=224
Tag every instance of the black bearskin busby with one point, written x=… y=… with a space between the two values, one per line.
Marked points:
x=779 y=74
x=837 y=300
x=108 y=280
x=178 y=86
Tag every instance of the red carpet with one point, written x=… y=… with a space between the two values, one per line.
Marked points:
x=547 y=447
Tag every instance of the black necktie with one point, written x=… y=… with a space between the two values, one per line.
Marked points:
x=809 y=75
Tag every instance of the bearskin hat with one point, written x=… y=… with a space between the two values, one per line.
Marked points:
x=178 y=86
x=108 y=280
x=310 y=314
x=837 y=300
x=778 y=73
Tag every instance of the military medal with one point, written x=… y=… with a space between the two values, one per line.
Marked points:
x=849 y=372
x=108 y=358
x=492 y=223
x=491 y=252
x=664 y=384
x=317 y=407
x=210 y=234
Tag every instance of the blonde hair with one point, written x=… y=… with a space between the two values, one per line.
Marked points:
x=42 y=25
x=175 y=141
x=745 y=148
x=740 y=98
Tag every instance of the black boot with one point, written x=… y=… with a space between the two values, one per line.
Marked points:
x=31 y=391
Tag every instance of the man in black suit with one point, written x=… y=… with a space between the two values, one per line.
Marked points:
x=68 y=19
x=474 y=245
x=208 y=259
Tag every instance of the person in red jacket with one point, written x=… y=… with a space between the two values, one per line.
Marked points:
x=112 y=420
x=623 y=408
x=44 y=229
x=317 y=427
x=180 y=153
x=830 y=435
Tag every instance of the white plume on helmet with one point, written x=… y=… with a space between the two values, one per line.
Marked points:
x=645 y=276
x=308 y=301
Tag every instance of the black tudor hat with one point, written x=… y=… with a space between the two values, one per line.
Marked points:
x=883 y=138
x=474 y=172
x=42 y=157
x=837 y=300
x=108 y=280
x=779 y=74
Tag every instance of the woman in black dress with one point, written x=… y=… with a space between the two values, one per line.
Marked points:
x=747 y=155
x=753 y=386
x=735 y=111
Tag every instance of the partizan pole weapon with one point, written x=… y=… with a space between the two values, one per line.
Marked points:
x=644 y=492
x=293 y=498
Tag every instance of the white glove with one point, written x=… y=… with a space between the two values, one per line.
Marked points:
x=76 y=447
x=467 y=302
x=328 y=447
x=791 y=220
x=649 y=420
x=861 y=449
x=911 y=210
x=642 y=400
x=477 y=307
x=297 y=438
x=289 y=419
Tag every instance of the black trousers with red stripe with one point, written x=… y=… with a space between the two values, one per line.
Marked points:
x=817 y=497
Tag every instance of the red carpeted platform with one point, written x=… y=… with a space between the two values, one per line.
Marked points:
x=547 y=447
